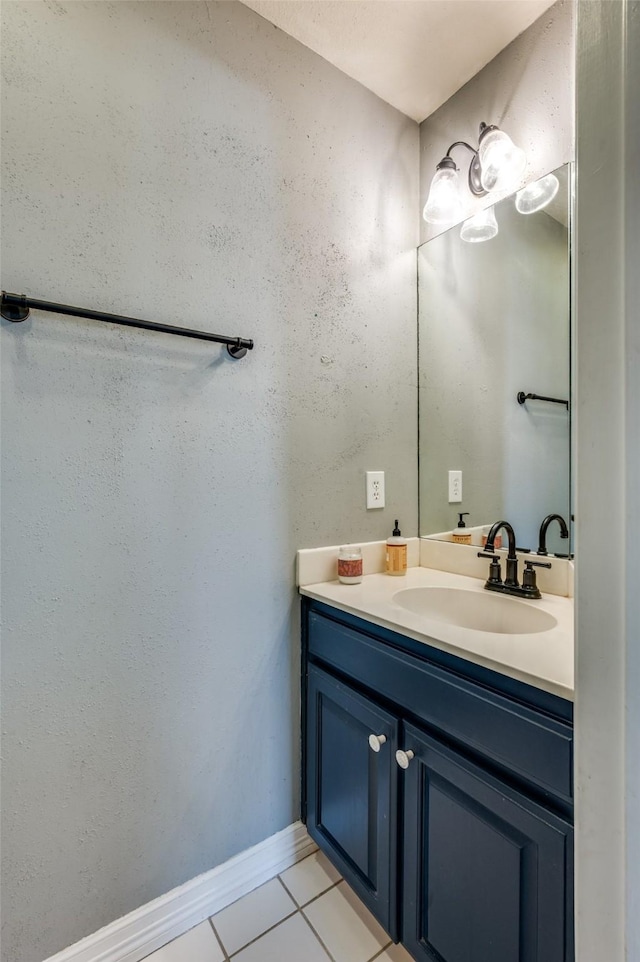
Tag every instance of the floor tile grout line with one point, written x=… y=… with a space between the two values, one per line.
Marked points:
x=297 y=908
x=317 y=936
x=381 y=952
x=315 y=898
x=290 y=894
x=378 y=952
x=241 y=897
x=219 y=940
x=270 y=929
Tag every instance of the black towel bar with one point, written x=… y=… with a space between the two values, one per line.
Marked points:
x=522 y=397
x=15 y=307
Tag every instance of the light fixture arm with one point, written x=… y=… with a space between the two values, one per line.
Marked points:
x=462 y=143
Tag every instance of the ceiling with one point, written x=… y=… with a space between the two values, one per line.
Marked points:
x=414 y=54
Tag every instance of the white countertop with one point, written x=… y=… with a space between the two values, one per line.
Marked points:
x=544 y=660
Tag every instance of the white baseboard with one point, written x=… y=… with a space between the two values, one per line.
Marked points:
x=136 y=935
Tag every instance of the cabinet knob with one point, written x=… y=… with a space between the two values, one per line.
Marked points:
x=376 y=742
x=403 y=758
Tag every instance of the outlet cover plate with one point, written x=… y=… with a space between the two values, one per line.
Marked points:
x=375 y=489
x=455 y=487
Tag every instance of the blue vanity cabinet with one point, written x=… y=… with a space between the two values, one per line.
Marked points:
x=485 y=868
x=465 y=854
x=352 y=789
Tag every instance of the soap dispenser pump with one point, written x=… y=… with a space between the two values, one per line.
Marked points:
x=461 y=534
x=396 y=553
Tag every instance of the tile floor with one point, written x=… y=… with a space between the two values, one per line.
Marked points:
x=306 y=914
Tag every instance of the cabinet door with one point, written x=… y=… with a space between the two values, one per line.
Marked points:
x=352 y=790
x=487 y=872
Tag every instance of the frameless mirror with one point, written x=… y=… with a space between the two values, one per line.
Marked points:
x=494 y=327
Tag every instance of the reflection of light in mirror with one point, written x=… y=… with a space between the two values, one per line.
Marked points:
x=535 y=196
x=481 y=227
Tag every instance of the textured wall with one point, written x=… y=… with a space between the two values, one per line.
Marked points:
x=189 y=163
x=527 y=90
x=493 y=321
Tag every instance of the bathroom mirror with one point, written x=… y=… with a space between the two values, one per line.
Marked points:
x=493 y=324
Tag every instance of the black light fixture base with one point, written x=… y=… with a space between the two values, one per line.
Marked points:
x=12 y=311
x=475 y=177
x=475 y=170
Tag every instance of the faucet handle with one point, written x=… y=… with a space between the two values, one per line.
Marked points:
x=495 y=571
x=529 y=584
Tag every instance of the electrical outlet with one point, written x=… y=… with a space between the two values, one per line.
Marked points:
x=375 y=489
x=455 y=487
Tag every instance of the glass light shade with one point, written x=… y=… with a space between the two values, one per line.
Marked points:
x=444 y=205
x=502 y=162
x=481 y=227
x=535 y=196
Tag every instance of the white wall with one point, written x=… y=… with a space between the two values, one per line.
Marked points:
x=608 y=484
x=189 y=163
x=527 y=90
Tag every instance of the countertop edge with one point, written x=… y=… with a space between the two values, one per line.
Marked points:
x=319 y=593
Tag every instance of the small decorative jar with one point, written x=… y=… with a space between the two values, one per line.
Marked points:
x=496 y=544
x=350 y=565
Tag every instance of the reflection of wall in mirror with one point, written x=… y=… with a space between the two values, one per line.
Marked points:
x=494 y=320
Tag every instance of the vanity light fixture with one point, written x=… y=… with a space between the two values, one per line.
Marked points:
x=481 y=227
x=444 y=203
x=502 y=164
x=537 y=195
x=496 y=164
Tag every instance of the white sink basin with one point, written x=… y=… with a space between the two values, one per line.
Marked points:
x=479 y=611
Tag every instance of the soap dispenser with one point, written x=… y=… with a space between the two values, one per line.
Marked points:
x=461 y=534
x=396 y=553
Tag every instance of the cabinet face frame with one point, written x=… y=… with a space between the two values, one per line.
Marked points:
x=359 y=831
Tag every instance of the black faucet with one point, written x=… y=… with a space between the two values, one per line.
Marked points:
x=511 y=580
x=542 y=540
x=510 y=586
